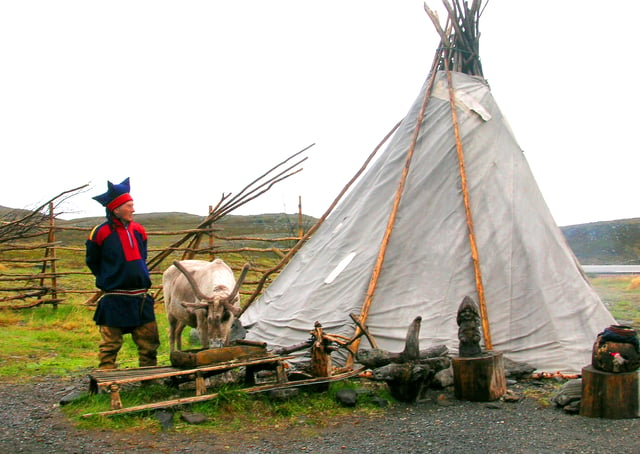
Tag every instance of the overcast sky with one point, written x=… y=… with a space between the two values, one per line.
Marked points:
x=195 y=98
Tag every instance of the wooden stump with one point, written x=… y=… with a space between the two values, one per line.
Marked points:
x=610 y=395
x=479 y=379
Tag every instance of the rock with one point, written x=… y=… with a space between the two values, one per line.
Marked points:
x=515 y=369
x=347 y=397
x=165 y=418
x=283 y=395
x=443 y=401
x=72 y=396
x=493 y=406
x=571 y=391
x=511 y=396
x=443 y=378
x=363 y=392
x=573 y=408
x=379 y=402
x=193 y=418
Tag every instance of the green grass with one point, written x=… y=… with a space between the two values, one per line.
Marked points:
x=621 y=294
x=231 y=411
x=42 y=342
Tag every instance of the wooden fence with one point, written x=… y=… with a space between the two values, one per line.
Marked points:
x=45 y=269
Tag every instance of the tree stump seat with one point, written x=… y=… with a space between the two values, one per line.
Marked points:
x=610 y=395
x=481 y=378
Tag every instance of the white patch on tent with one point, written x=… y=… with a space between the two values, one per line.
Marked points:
x=463 y=98
x=340 y=268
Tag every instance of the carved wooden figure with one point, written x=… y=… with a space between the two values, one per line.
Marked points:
x=477 y=376
x=469 y=329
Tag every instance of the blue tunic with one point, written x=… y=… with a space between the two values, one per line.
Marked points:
x=116 y=255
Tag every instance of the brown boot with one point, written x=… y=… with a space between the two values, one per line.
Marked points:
x=109 y=346
x=147 y=339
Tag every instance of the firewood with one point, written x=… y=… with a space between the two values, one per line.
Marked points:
x=377 y=357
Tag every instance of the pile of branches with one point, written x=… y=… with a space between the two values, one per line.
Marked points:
x=459 y=48
x=18 y=225
x=229 y=203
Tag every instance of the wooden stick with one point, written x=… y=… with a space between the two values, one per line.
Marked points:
x=364 y=330
x=318 y=223
x=467 y=209
x=252 y=390
x=373 y=282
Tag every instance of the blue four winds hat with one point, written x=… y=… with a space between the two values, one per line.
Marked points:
x=116 y=195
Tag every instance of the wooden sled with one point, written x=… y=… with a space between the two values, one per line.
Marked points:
x=205 y=397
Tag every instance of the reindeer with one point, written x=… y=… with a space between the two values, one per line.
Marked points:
x=203 y=295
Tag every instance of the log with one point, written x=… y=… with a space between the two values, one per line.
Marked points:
x=320 y=354
x=610 y=395
x=479 y=379
x=195 y=358
x=405 y=381
x=376 y=357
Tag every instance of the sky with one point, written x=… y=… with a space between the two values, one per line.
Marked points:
x=194 y=99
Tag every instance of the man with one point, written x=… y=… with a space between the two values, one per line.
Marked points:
x=116 y=255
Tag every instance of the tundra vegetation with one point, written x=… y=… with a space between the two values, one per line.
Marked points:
x=41 y=342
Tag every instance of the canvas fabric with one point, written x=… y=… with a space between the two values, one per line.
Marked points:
x=541 y=308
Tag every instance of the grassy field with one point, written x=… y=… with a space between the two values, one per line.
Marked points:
x=42 y=342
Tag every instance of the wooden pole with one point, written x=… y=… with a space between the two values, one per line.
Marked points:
x=211 y=254
x=300 y=228
x=318 y=223
x=467 y=208
x=373 y=282
x=50 y=252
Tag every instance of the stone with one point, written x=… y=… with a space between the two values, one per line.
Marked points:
x=72 y=397
x=573 y=408
x=443 y=401
x=571 y=391
x=165 y=418
x=516 y=369
x=193 y=418
x=347 y=397
x=283 y=395
x=511 y=396
x=443 y=378
x=379 y=401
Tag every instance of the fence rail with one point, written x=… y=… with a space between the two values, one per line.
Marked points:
x=42 y=269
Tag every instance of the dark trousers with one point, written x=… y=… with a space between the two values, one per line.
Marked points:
x=145 y=337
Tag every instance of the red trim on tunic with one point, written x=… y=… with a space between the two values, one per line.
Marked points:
x=129 y=243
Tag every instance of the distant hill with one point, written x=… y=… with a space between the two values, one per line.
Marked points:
x=597 y=243
x=605 y=243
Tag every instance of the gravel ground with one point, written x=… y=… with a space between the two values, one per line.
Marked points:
x=32 y=422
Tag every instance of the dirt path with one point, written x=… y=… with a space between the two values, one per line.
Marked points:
x=32 y=422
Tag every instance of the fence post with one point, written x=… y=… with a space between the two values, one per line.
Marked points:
x=211 y=254
x=50 y=253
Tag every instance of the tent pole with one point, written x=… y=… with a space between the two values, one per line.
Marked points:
x=318 y=223
x=373 y=282
x=465 y=195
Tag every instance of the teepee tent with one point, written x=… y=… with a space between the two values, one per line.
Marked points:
x=449 y=209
